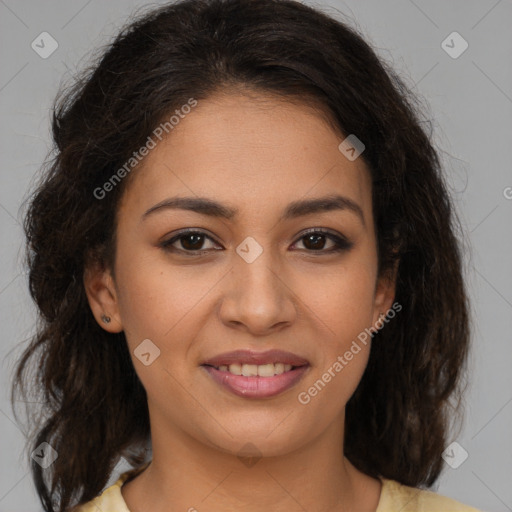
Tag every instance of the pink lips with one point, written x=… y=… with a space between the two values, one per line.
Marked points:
x=256 y=387
x=252 y=357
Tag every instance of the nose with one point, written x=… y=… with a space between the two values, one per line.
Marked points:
x=258 y=299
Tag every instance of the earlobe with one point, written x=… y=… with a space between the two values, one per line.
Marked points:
x=385 y=294
x=102 y=297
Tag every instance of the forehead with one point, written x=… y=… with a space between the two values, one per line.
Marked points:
x=249 y=152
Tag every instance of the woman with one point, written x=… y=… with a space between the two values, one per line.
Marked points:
x=244 y=253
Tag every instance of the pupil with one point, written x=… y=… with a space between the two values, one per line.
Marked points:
x=315 y=239
x=197 y=241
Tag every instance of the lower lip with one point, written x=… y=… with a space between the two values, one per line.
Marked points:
x=257 y=387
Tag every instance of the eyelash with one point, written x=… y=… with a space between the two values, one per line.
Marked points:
x=341 y=243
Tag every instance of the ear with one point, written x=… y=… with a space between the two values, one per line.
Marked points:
x=385 y=290
x=102 y=296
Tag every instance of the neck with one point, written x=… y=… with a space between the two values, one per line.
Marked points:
x=189 y=475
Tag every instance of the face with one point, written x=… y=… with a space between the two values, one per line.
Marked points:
x=268 y=267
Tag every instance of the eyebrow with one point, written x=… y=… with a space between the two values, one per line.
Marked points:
x=206 y=206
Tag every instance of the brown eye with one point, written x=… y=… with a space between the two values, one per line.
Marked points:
x=315 y=241
x=192 y=242
x=188 y=241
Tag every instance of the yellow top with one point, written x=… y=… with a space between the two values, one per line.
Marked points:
x=394 y=497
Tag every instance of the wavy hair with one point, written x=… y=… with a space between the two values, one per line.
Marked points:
x=93 y=408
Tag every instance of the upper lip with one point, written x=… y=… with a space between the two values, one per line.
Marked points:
x=258 y=358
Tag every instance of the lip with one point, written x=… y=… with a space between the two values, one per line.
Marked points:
x=257 y=387
x=253 y=357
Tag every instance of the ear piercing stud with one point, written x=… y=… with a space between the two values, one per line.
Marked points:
x=105 y=319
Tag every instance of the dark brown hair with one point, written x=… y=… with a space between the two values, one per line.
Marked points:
x=93 y=406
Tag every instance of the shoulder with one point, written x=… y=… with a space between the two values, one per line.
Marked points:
x=395 y=496
x=111 y=499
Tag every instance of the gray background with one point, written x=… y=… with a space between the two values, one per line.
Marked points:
x=470 y=104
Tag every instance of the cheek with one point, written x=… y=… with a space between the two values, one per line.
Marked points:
x=354 y=303
x=156 y=300
x=343 y=298
x=345 y=309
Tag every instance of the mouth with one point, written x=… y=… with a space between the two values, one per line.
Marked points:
x=256 y=375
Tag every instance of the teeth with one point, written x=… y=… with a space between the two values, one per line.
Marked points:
x=254 y=370
x=266 y=370
x=249 y=370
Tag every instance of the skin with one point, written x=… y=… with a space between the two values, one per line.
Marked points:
x=257 y=154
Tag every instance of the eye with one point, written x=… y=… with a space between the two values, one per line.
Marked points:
x=189 y=240
x=315 y=240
